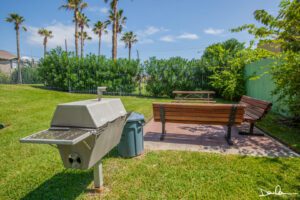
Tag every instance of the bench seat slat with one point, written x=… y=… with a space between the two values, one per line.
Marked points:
x=259 y=110
x=201 y=119
x=196 y=122
x=198 y=114
x=184 y=110
x=253 y=116
x=248 y=118
x=193 y=105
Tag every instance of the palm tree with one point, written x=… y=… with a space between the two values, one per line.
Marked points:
x=118 y=21
x=77 y=6
x=17 y=20
x=83 y=36
x=82 y=22
x=46 y=34
x=113 y=16
x=129 y=38
x=99 y=28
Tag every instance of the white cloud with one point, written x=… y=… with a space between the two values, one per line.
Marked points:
x=188 y=36
x=212 y=31
x=144 y=35
x=167 y=38
x=60 y=33
x=103 y=10
x=146 y=41
x=184 y=36
x=151 y=30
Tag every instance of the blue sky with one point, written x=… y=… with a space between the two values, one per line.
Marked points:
x=165 y=28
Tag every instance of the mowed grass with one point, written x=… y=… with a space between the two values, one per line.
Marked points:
x=30 y=171
x=273 y=125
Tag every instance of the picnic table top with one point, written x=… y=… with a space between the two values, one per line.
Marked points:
x=193 y=92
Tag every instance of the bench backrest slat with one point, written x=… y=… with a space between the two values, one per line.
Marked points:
x=255 y=108
x=198 y=113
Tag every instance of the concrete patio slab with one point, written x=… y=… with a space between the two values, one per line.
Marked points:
x=210 y=138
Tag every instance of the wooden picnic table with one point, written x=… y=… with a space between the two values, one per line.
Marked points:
x=203 y=96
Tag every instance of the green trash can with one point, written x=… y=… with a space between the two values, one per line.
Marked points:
x=132 y=140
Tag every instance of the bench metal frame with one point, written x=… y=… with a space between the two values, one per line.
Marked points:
x=231 y=121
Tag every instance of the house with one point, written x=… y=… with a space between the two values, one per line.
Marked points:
x=7 y=61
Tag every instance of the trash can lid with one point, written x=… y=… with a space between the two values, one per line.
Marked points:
x=135 y=117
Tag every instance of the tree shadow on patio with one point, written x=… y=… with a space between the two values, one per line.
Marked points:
x=211 y=138
x=68 y=184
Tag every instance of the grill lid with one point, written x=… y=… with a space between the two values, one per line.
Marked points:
x=88 y=113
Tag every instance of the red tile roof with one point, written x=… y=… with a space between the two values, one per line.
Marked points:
x=5 y=55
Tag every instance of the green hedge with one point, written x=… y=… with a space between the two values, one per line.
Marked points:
x=66 y=72
x=4 y=78
x=167 y=75
x=30 y=75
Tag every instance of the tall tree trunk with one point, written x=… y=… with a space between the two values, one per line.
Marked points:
x=81 y=42
x=18 y=55
x=76 y=32
x=44 y=50
x=66 y=46
x=45 y=46
x=99 y=47
x=129 y=51
x=114 y=36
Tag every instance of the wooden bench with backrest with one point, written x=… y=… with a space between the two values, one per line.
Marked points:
x=255 y=110
x=216 y=114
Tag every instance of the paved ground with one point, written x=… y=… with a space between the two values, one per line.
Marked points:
x=210 y=138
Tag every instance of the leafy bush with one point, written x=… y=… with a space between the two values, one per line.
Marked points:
x=167 y=75
x=286 y=75
x=4 y=78
x=283 y=31
x=30 y=75
x=64 y=71
x=226 y=62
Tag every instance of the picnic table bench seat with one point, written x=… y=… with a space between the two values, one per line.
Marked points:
x=215 y=114
x=192 y=96
x=255 y=110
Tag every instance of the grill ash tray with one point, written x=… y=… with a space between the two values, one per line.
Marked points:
x=62 y=136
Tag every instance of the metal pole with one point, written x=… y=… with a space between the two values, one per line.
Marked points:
x=66 y=45
x=98 y=176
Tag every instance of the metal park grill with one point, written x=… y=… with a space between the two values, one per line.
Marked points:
x=84 y=132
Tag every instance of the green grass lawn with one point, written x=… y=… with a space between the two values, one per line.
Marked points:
x=276 y=128
x=30 y=171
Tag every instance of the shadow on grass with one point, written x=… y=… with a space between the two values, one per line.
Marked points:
x=94 y=91
x=68 y=184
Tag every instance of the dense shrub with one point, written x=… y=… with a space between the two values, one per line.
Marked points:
x=30 y=75
x=281 y=31
x=167 y=75
x=4 y=78
x=286 y=75
x=226 y=62
x=64 y=71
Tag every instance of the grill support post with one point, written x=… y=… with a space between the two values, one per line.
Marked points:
x=100 y=91
x=98 y=177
